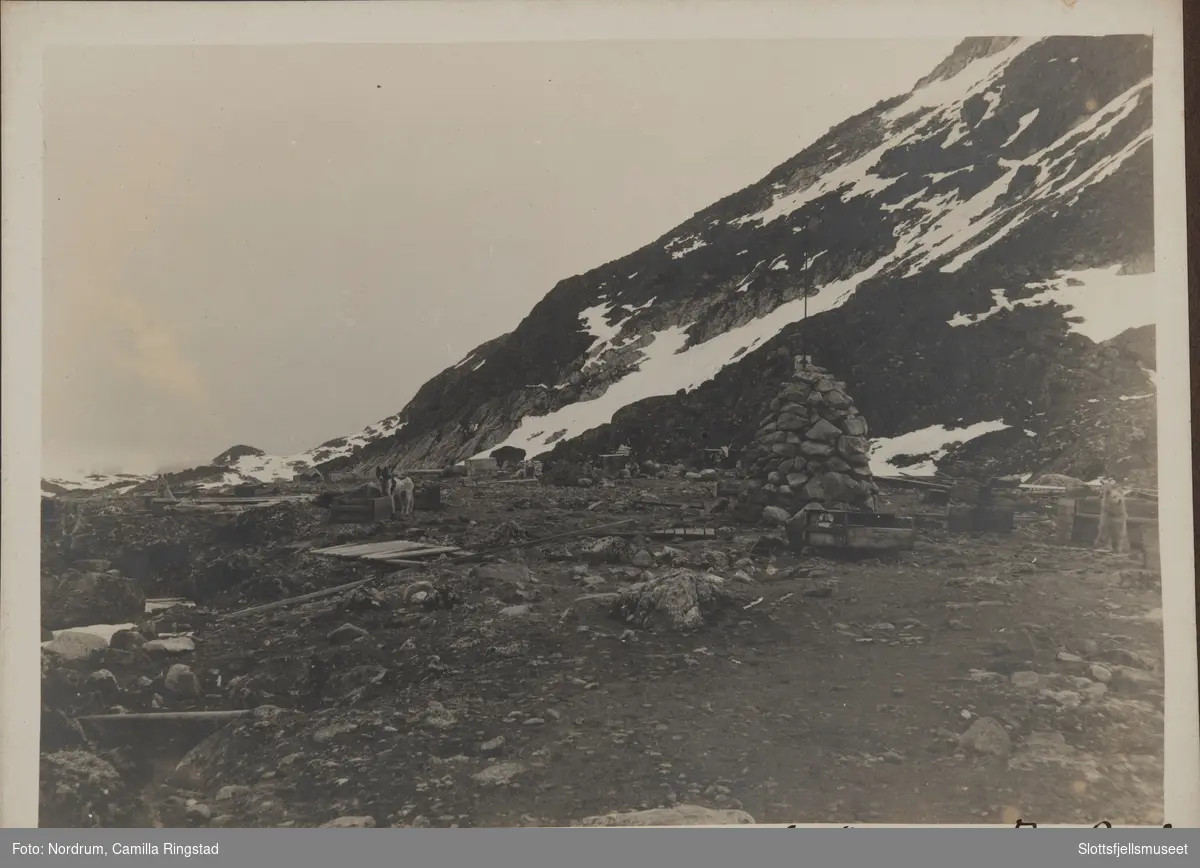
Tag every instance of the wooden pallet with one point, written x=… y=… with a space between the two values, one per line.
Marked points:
x=347 y=509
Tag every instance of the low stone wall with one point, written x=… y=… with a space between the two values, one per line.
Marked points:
x=811 y=447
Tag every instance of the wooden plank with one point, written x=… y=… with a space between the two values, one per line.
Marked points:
x=411 y=553
x=1064 y=521
x=272 y=498
x=910 y=482
x=294 y=601
x=353 y=550
x=165 y=716
x=408 y=562
x=346 y=550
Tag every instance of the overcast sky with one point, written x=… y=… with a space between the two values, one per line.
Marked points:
x=278 y=245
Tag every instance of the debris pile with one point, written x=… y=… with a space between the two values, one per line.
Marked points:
x=811 y=447
x=679 y=600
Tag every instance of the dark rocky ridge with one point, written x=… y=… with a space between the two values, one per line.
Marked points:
x=890 y=342
x=230 y=456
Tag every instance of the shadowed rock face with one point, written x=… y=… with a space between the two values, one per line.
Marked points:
x=925 y=233
x=81 y=598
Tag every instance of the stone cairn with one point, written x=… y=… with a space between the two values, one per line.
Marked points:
x=811 y=448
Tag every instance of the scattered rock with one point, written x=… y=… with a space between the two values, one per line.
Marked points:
x=643 y=559
x=678 y=815
x=986 y=736
x=492 y=747
x=1065 y=698
x=74 y=645
x=775 y=515
x=1100 y=673
x=1127 y=679
x=500 y=774
x=104 y=682
x=350 y=823
x=172 y=647
x=437 y=716
x=232 y=793
x=126 y=640
x=198 y=814
x=1026 y=680
x=182 y=681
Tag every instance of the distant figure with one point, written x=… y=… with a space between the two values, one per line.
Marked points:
x=508 y=456
x=1113 y=532
x=164 y=488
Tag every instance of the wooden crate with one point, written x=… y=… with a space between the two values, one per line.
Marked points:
x=361 y=510
x=1078 y=520
x=851 y=531
x=427 y=497
x=967 y=492
x=613 y=464
x=980 y=519
x=729 y=488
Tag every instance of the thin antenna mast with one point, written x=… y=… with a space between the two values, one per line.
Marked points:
x=804 y=321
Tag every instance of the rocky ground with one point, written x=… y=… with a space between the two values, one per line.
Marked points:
x=975 y=679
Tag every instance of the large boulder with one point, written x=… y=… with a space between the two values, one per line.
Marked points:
x=223 y=754
x=74 y=646
x=81 y=599
x=79 y=790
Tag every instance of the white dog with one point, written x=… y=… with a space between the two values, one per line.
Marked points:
x=401 y=491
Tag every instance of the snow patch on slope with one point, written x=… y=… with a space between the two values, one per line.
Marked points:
x=96 y=481
x=1022 y=124
x=934 y=442
x=696 y=244
x=1104 y=301
x=666 y=367
x=1047 y=192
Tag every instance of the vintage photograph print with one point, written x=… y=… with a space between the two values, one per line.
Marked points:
x=561 y=432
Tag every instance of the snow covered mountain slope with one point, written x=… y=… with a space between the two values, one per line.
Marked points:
x=93 y=482
x=972 y=252
x=974 y=258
